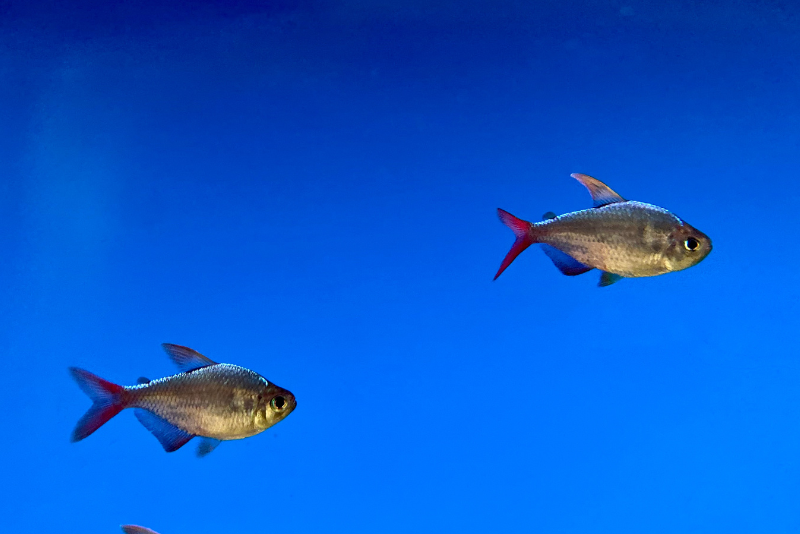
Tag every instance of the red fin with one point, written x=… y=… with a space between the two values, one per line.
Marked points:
x=522 y=229
x=107 y=402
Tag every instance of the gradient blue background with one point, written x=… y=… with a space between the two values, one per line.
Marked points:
x=309 y=189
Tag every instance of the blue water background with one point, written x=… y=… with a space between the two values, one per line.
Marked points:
x=309 y=190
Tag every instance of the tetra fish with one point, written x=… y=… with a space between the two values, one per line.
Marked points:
x=622 y=238
x=215 y=401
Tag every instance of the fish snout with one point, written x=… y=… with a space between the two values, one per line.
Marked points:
x=291 y=402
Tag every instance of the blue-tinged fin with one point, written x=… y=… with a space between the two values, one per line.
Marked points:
x=170 y=436
x=549 y=215
x=136 y=529
x=601 y=193
x=185 y=358
x=207 y=445
x=606 y=279
x=565 y=263
x=142 y=380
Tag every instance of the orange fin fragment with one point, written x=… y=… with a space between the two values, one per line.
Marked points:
x=601 y=193
x=521 y=229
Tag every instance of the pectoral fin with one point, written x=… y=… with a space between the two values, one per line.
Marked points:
x=606 y=279
x=601 y=193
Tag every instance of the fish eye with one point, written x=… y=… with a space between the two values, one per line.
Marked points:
x=691 y=243
x=278 y=403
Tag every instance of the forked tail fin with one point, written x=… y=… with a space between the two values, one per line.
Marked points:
x=107 y=402
x=522 y=229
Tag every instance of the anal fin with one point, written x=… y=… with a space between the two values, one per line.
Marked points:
x=565 y=263
x=606 y=279
x=170 y=436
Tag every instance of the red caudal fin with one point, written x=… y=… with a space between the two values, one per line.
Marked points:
x=522 y=229
x=107 y=402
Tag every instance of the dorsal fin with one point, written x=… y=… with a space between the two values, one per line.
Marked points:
x=601 y=193
x=185 y=358
x=549 y=215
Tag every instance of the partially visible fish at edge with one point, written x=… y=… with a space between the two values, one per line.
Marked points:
x=621 y=238
x=214 y=401
x=135 y=529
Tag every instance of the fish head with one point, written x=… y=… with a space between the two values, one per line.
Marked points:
x=274 y=404
x=687 y=246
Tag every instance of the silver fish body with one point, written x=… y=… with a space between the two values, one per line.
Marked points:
x=221 y=401
x=622 y=238
x=631 y=239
